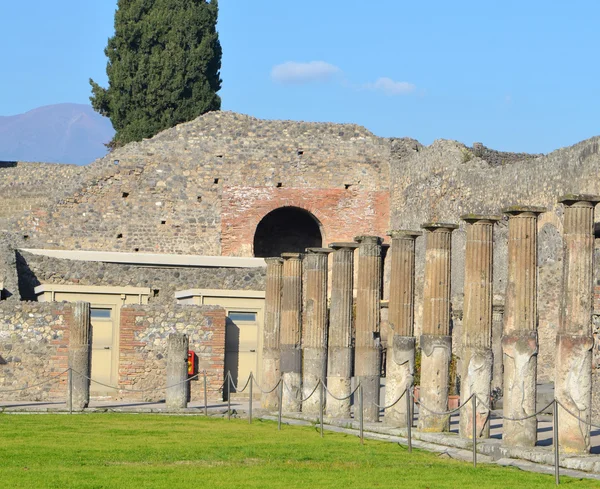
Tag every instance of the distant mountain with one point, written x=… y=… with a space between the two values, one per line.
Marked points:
x=62 y=133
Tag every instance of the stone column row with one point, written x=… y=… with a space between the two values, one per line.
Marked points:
x=519 y=342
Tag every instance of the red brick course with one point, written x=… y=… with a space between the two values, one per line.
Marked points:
x=342 y=214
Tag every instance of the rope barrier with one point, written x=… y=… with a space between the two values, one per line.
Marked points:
x=235 y=387
x=589 y=423
x=341 y=398
x=496 y=416
x=445 y=413
x=265 y=391
x=392 y=404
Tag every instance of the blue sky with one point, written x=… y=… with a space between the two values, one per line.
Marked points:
x=517 y=76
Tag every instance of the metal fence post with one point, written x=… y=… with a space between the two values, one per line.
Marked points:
x=474 y=403
x=409 y=418
x=280 y=403
x=250 y=401
x=555 y=441
x=360 y=414
x=321 y=396
x=205 y=396
x=70 y=390
x=229 y=395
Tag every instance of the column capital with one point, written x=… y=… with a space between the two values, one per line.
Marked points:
x=341 y=245
x=579 y=200
x=404 y=234
x=473 y=218
x=368 y=239
x=292 y=256
x=441 y=226
x=273 y=260
x=318 y=251
x=516 y=210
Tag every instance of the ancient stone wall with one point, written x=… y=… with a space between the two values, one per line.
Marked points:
x=27 y=186
x=36 y=269
x=439 y=183
x=34 y=339
x=143 y=346
x=165 y=194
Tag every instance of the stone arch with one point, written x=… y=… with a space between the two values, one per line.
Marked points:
x=287 y=229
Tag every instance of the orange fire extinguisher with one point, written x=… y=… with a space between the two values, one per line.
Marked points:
x=191 y=363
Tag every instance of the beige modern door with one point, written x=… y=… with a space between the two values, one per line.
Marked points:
x=242 y=336
x=103 y=319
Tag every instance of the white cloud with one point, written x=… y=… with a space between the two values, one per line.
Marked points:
x=391 y=87
x=293 y=72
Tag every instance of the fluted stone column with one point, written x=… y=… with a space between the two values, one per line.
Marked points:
x=477 y=361
x=80 y=353
x=400 y=368
x=339 y=358
x=177 y=371
x=498 y=369
x=520 y=340
x=574 y=341
x=270 y=371
x=291 y=331
x=436 y=342
x=367 y=354
x=314 y=331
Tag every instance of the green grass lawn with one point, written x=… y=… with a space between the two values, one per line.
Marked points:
x=140 y=451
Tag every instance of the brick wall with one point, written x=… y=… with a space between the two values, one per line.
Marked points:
x=143 y=346
x=342 y=213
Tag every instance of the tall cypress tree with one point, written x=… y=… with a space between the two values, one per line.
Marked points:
x=163 y=66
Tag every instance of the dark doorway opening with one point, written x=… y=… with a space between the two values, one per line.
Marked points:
x=286 y=230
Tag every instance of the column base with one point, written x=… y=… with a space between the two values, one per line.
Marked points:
x=370 y=386
x=476 y=379
x=339 y=387
x=573 y=388
x=435 y=363
x=314 y=366
x=270 y=377
x=399 y=377
x=292 y=392
x=520 y=350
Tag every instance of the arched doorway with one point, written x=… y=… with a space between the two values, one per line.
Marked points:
x=286 y=230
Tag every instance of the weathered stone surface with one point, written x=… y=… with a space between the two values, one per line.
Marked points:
x=290 y=333
x=339 y=358
x=314 y=328
x=435 y=362
x=498 y=369
x=436 y=342
x=477 y=325
x=34 y=340
x=574 y=342
x=80 y=356
x=520 y=340
x=400 y=373
x=520 y=426
x=177 y=371
x=367 y=353
x=271 y=372
x=401 y=349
